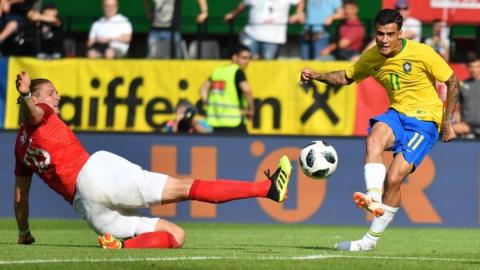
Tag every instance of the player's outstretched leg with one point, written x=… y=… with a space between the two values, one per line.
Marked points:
x=279 y=179
x=366 y=202
x=221 y=190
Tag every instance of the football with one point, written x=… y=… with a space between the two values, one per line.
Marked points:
x=318 y=160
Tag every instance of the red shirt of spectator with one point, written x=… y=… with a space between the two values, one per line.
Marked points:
x=353 y=30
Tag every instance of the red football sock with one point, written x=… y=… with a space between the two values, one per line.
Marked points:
x=152 y=240
x=220 y=191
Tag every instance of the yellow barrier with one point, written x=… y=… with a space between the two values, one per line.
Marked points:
x=138 y=95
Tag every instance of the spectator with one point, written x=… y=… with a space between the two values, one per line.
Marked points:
x=109 y=36
x=467 y=115
x=412 y=28
x=267 y=25
x=51 y=33
x=439 y=41
x=319 y=15
x=351 y=34
x=15 y=17
x=185 y=120
x=165 y=16
x=229 y=96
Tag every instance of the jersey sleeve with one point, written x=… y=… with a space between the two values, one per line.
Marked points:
x=47 y=110
x=240 y=76
x=92 y=34
x=128 y=27
x=437 y=66
x=359 y=70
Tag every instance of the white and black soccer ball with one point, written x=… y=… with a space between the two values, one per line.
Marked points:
x=318 y=159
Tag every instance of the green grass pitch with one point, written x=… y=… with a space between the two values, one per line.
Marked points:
x=70 y=244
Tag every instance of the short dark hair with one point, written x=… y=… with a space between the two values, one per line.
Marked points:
x=472 y=57
x=240 y=48
x=387 y=16
x=349 y=2
x=48 y=5
x=183 y=103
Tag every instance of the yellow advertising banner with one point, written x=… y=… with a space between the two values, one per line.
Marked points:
x=139 y=95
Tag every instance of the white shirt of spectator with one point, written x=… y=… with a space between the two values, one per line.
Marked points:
x=414 y=25
x=112 y=28
x=268 y=20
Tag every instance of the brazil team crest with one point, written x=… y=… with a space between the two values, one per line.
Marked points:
x=407 y=66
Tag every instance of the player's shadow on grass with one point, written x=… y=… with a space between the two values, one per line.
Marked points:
x=317 y=248
x=50 y=245
x=67 y=245
x=292 y=246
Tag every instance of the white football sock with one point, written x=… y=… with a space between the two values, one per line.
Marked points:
x=379 y=224
x=374 y=177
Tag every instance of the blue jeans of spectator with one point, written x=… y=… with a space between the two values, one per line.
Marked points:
x=156 y=36
x=318 y=45
x=265 y=50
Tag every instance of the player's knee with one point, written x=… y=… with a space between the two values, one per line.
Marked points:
x=92 y=53
x=179 y=235
x=373 y=145
x=109 y=53
x=394 y=181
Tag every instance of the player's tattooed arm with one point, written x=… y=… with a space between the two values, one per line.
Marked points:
x=453 y=92
x=333 y=78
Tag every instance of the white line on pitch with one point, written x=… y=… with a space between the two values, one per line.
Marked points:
x=202 y=258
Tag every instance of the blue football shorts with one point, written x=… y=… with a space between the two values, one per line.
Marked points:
x=413 y=137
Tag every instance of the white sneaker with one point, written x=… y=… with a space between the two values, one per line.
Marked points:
x=358 y=245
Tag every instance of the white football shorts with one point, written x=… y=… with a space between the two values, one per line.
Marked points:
x=112 y=194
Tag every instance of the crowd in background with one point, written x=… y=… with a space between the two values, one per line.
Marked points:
x=331 y=31
x=30 y=28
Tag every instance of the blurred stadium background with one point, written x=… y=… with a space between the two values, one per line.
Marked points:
x=79 y=15
x=119 y=104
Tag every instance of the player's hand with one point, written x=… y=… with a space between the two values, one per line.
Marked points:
x=202 y=17
x=23 y=83
x=229 y=16
x=26 y=239
x=249 y=114
x=447 y=132
x=298 y=17
x=104 y=40
x=307 y=75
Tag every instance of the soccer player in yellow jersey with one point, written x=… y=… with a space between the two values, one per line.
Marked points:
x=409 y=128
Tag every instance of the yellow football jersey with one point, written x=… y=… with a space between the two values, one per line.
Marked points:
x=409 y=78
